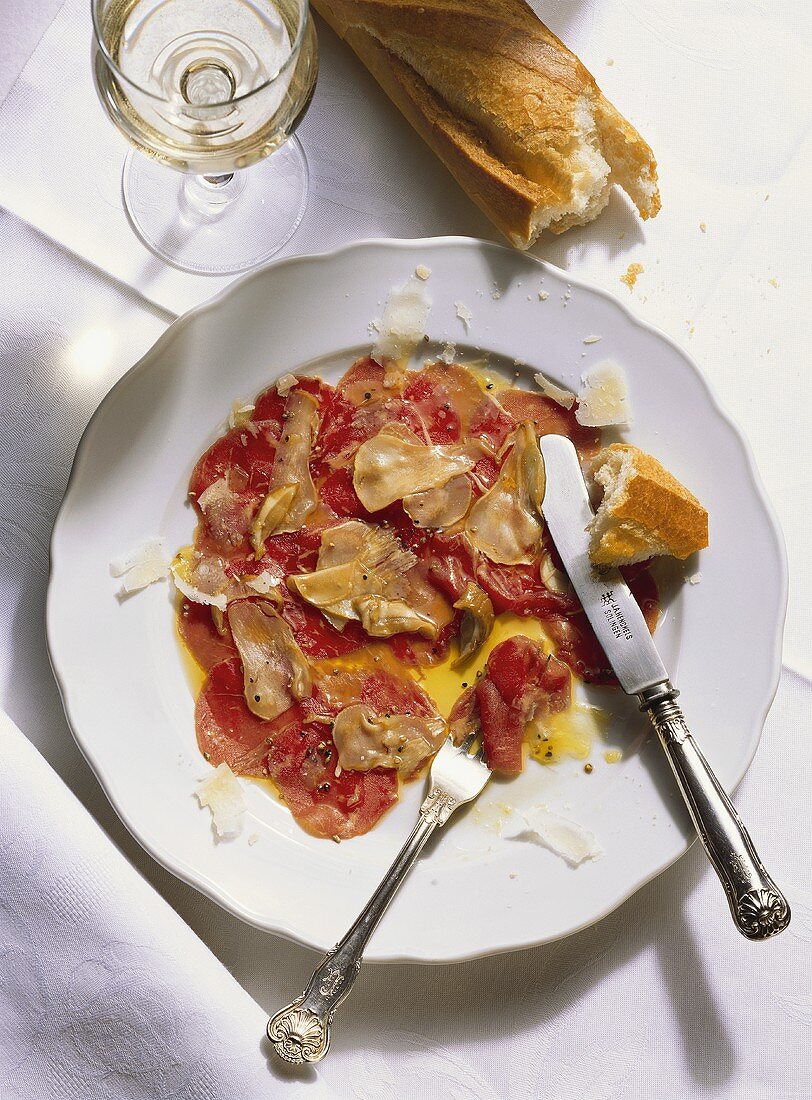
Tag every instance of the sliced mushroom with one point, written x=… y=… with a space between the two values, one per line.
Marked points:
x=227 y=514
x=270 y=515
x=381 y=618
x=275 y=671
x=355 y=560
x=505 y=524
x=443 y=507
x=391 y=466
x=291 y=466
x=477 y=621
x=402 y=741
x=553 y=578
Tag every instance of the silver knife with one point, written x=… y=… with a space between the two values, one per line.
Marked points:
x=759 y=908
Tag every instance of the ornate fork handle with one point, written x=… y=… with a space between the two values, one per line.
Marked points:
x=301 y=1032
x=758 y=907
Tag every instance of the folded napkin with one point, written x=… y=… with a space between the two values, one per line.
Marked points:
x=105 y=992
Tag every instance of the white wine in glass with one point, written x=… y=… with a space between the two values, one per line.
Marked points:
x=209 y=88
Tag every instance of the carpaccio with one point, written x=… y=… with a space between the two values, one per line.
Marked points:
x=445 y=410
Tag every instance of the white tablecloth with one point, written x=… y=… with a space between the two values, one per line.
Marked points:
x=660 y=1000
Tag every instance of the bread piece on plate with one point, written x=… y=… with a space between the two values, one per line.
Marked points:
x=514 y=115
x=645 y=511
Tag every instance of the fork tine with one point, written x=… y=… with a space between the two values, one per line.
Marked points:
x=468 y=742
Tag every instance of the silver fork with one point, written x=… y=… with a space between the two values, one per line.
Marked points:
x=301 y=1032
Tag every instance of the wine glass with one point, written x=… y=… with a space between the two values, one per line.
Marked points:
x=209 y=88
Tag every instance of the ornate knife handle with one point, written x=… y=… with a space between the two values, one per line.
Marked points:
x=301 y=1032
x=759 y=908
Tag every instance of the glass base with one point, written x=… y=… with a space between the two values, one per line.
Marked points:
x=217 y=225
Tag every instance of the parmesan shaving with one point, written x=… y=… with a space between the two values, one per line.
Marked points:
x=592 y=339
x=196 y=595
x=285 y=384
x=449 y=353
x=464 y=314
x=403 y=324
x=215 y=493
x=239 y=416
x=222 y=793
x=572 y=842
x=562 y=397
x=604 y=401
x=263 y=583
x=422 y=272
x=142 y=566
x=200 y=579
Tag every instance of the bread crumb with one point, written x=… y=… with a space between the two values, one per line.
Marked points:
x=496 y=295
x=512 y=875
x=253 y=838
x=695 y=578
x=632 y=273
x=464 y=314
x=543 y=295
x=703 y=227
x=610 y=61
x=591 y=339
x=613 y=756
x=422 y=272
x=773 y=282
x=449 y=353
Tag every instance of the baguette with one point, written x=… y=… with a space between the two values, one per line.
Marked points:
x=512 y=113
x=645 y=511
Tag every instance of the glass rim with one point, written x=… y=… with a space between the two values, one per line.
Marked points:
x=113 y=65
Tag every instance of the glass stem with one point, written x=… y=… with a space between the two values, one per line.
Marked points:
x=209 y=195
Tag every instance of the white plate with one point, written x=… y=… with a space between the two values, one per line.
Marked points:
x=129 y=701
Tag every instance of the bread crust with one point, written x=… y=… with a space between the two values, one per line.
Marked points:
x=514 y=115
x=652 y=514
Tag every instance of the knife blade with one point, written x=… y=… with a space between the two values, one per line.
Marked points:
x=610 y=607
x=758 y=907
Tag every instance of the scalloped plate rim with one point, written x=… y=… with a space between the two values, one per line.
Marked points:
x=208 y=886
